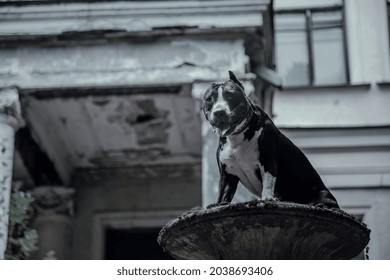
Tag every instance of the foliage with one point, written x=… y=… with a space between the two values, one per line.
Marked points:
x=22 y=240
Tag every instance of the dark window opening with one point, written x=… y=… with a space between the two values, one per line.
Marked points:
x=134 y=244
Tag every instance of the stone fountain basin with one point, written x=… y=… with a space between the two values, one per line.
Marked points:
x=264 y=230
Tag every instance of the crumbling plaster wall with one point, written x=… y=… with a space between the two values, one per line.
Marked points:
x=106 y=136
x=117 y=130
x=120 y=63
x=177 y=60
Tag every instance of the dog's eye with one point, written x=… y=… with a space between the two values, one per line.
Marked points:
x=209 y=99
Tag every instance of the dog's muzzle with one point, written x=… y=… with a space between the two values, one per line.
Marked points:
x=227 y=124
x=221 y=122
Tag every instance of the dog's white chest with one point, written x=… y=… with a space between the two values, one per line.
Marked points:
x=242 y=160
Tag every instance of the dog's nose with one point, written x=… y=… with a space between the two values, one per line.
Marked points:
x=219 y=113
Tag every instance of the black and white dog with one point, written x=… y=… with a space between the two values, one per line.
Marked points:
x=252 y=150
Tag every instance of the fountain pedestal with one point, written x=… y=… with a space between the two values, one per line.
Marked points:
x=264 y=230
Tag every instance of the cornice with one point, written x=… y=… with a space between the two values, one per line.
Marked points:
x=127 y=16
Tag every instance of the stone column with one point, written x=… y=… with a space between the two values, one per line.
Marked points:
x=10 y=121
x=54 y=206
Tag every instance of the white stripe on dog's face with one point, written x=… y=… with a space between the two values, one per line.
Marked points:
x=220 y=104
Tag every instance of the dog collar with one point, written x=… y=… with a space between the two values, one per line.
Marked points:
x=246 y=124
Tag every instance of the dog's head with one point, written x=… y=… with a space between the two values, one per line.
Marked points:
x=226 y=106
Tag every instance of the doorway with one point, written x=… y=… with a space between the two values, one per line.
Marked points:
x=133 y=244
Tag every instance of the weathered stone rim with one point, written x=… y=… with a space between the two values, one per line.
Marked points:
x=200 y=214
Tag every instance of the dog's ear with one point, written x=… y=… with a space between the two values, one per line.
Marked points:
x=234 y=79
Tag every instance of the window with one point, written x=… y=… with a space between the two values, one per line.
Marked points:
x=311 y=44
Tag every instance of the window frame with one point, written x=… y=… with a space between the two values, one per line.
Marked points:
x=308 y=14
x=388 y=21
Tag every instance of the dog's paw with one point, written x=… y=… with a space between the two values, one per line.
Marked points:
x=196 y=209
x=216 y=204
x=212 y=205
x=269 y=198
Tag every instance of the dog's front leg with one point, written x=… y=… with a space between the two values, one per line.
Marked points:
x=227 y=186
x=269 y=180
x=268 y=160
x=268 y=192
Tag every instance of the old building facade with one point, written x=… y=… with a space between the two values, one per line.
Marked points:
x=109 y=91
x=103 y=109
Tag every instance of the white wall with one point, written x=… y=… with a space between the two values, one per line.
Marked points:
x=344 y=130
x=333 y=107
x=369 y=63
x=368 y=40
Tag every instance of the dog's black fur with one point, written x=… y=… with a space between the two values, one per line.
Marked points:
x=291 y=177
